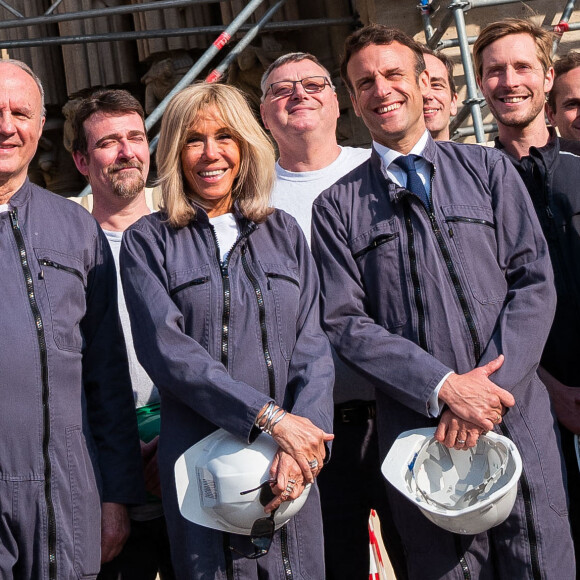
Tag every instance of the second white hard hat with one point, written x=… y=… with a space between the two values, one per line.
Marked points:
x=462 y=491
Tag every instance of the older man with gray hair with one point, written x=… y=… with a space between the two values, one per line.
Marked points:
x=300 y=109
x=63 y=368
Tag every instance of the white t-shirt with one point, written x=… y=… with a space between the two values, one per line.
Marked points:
x=295 y=192
x=227 y=231
x=144 y=391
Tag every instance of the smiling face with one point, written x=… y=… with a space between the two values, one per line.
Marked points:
x=21 y=123
x=300 y=112
x=439 y=104
x=117 y=159
x=566 y=112
x=513 y=81
x=210 y=161
x=387 y=94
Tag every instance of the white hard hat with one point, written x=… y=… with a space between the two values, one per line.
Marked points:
x=213 y=477
x=462 y=491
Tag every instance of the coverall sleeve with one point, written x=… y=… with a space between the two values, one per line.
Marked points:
x=107 y=383
x=178 y=364
x=311 y=370
x=395 y=365
x=529 y=307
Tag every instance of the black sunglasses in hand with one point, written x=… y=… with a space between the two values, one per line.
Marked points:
x=262 y=532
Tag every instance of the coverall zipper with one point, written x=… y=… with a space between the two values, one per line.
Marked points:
x=378 y=241
x=224 y=359
x=196 y=282
x=415 y=278
x=421 y=308
x=41 y=337
x=57 y=266
x=461 y=219
x=271 y=380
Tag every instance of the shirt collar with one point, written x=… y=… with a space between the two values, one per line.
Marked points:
x=389 y=155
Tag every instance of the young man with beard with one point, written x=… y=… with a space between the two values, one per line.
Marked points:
x=440 y=103
x=514 y=71
x=300 y=109
x=111 y=150
x=436 y=285
x=563 y=106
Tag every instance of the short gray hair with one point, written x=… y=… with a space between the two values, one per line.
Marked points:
x=29 y=71
x=287 y=58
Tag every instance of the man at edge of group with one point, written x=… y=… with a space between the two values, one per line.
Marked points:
x=436 y=284
x=440 y=103
x=111 y=150
x=563 y=104
x=514 y=70
x=300 y=109
x=63 y=368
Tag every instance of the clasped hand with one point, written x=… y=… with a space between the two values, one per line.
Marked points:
x=475 y=405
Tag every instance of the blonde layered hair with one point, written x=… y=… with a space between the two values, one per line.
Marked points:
x=253 y=185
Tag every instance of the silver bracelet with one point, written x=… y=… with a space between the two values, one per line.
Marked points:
x=271 y=416
x=273 y=420
x=265 y=414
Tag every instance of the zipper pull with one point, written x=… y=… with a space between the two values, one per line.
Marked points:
x=549 y=212
x=450 y=232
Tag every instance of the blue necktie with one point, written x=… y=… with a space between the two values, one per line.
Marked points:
x=414 y=183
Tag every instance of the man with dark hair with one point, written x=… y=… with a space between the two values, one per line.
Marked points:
x=515 y=74
x=563 y=105
x=111 y=150
x=436 y=285
x=440 y=103
x=63 y=368
x=300 y=109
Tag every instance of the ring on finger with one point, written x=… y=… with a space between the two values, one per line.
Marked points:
x=292 y=481
x=461 y=441
x=313 y=464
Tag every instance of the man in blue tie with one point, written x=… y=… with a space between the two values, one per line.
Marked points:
x=436 y=285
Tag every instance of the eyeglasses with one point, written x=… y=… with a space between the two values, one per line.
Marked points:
x=311 y=85
x=262 y=532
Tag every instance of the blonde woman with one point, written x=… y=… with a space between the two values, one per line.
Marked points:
x=223 y=298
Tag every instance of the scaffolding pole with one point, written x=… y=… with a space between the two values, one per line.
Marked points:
x=563 y=25
x=119 y=36
x=21 y=21
x=217 y=73
x=473 y=99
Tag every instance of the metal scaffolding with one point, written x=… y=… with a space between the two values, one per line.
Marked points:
x=474 y=102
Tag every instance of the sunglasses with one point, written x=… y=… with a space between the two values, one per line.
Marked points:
x=262 y=532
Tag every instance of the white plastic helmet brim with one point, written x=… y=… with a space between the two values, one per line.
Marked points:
x=397 y=469
x=220 y=443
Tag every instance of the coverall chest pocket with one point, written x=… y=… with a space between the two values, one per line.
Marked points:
x=379 y=259
x=64 y=280
x=190 y=290
x=283 y=289
x=473 y=232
